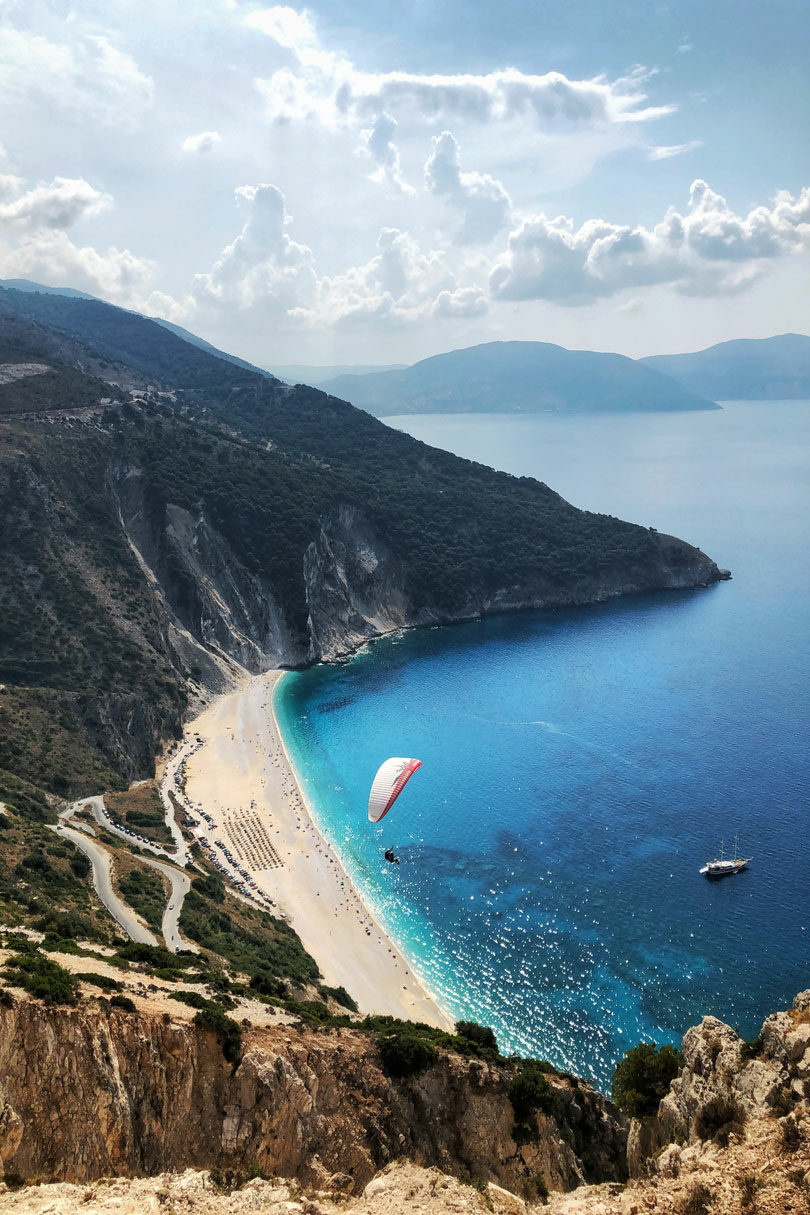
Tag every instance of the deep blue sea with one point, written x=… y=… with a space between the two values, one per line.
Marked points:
x=579 y=766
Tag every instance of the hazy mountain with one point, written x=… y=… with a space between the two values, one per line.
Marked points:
x=517 y=377
x=774 y=369
x=301 y=374
x=25 y=284
x=201 y=344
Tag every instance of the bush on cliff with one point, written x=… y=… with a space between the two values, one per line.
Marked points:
x=478 y=1035
x=404 y=1053
x=228 y=1032
x=643 y=1077
x=42 y=978
x=530 y=1091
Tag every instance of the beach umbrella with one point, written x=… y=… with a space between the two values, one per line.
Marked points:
x=391 y=779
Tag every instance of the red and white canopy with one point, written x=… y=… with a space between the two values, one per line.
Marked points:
x=391 y=779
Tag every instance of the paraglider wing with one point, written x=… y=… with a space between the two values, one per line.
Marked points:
x=391 y=779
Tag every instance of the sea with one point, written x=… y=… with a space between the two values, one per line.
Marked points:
x=580 y=765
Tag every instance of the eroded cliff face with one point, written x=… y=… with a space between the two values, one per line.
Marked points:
x=225 y=617
x=357 y=590
x=726 y=1083
x=95 y=1091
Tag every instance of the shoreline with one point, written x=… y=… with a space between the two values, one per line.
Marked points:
x=243 y=778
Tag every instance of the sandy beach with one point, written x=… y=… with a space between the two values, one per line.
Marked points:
x=241 y=777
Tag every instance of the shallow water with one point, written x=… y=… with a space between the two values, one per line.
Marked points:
x=580 y=765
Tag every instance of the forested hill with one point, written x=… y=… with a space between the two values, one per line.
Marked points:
x=518 y=377
x=156 y=541
x=758 y=369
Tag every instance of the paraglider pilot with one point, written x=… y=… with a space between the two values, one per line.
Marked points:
x=389 y=856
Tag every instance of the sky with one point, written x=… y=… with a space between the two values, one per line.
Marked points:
x=364 y=181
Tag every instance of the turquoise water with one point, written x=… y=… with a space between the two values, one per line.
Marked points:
x=580 y=765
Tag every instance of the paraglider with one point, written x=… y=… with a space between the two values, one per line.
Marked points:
x=391 y=779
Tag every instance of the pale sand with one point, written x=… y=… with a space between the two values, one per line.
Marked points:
x=243 y=761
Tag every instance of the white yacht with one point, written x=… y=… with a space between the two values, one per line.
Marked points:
x=724 y=866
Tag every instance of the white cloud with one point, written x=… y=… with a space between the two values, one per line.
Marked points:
x=709 y=250
x=203 y=142
x=399 y=285
x=86 y=75
x=49 y=256
x=328 y=87
x=263 y=266
x=463 y=302
x=58 y=204
x=379 y=146
x=10 y=185
x=483 y=201
x=666 y=152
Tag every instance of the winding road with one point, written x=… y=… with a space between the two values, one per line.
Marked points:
x=170 y=927
x=100 y=860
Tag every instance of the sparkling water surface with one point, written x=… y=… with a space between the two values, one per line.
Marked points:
x=579 y=766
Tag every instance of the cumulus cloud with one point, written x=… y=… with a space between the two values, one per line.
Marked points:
x=708 y=250
x=399 y=285
x=58 y=204
x=34 y=242
x=203 y=142
x=463 y=302
x=263 y=265
x=379 y=146
x=483 y=202
x=322 y=85
x=86 y=74
x=49 y=256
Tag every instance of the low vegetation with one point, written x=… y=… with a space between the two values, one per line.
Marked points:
x=530 y=1092
x=642 y=1078
x=145 y=891
x=227 y=1031
x=141 y=809
x=404 y=1052
x=41 y=977
x=252 y=941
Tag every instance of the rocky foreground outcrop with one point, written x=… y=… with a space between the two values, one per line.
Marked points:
x=95 y=1091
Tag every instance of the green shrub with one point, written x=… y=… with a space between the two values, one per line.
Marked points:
x=102 y=981
x=530 y=1091
x=480 y=1035
x=228 y=1032
x=643 y=1077
x=192 y=998
x=42 y=977
x=339 y=995
x=268 y=985
x=404 y=1053
x=123 y=1002
x=538 y=1182
x=751 y=1050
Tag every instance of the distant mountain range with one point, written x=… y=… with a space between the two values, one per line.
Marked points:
x=300 y=373
x=767 y=369
x=517 y=377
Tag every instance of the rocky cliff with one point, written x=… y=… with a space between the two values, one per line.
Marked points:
x=89 y=1093
x=95 y=1091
